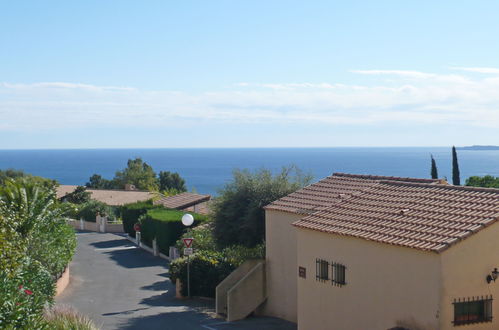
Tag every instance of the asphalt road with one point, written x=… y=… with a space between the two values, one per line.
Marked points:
x=122 y=287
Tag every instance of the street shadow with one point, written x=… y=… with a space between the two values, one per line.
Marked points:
x=135 y=258
x=181 y=319
x=159 y=286
x=112 y=244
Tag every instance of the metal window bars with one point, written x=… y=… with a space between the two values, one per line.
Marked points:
x=321 y=270
x=338 y=274
x=472 y=310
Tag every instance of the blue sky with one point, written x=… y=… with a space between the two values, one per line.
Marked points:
x=96 y=74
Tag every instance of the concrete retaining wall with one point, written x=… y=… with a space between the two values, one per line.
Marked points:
x=101 y=225
x=63 y=282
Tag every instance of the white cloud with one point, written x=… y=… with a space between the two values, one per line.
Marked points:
x=479 y=70
x=414 y=97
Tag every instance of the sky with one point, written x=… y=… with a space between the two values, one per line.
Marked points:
x=174 y=74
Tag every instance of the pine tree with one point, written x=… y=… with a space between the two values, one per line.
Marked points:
x=456 y=180
x=434 y=171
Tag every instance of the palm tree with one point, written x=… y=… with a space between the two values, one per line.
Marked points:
x=30 y=205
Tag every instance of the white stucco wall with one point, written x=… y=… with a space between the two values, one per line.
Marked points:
x=465 y=266
x=385 y=284
x=281 y=265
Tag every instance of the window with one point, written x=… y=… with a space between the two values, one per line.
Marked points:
x=474 y=310
x=321 y=270
x=338 y=274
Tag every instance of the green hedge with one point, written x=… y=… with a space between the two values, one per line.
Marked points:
x=130 y=214
x=207 y=270
x=166 y=226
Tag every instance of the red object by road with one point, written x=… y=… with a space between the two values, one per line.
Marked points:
x=136 y=227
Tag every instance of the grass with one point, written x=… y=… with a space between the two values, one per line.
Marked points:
x=63 y=317
x=172 y=215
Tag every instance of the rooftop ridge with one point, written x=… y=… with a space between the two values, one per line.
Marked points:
x=382 y=178
x=437 y=185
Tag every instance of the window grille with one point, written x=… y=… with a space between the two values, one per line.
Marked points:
x=321 y=270
x=338 y=274
x=472 y=310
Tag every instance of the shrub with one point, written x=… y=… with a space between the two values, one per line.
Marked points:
x=166 y=226
x=12 y=246
x=207 y=270
x=203 y=238
x=210 y=266
x=238 y=213
x=130 y=214
x=24 y=295
x=62 y=317
x=59 y=245
x=89 y=210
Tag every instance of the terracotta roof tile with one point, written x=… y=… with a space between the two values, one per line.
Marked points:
x=183 y=200
x=322 y=194
x=426 y=216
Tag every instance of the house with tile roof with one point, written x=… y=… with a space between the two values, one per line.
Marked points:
x=371 y=252
x=186 y=201
x=113 y=197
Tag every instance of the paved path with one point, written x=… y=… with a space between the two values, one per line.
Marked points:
x=122 y=287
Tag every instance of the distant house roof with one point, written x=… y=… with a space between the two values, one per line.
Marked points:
x=110 y=197
x=424 y=216
x=327 y=191
x=183 y=200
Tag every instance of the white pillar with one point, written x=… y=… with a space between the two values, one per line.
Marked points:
x=103 y=221
x=82 y=224
x=155 y=247
x=137 y=238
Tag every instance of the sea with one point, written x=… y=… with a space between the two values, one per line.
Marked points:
x=208 y=170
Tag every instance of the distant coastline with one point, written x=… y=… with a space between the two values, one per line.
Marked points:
x=477 y=147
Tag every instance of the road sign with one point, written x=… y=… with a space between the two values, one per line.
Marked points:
x=188 y=251
x=188 y=242
x=136 y=227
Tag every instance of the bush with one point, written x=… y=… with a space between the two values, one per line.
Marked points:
x=203 y=238
x=62 y=317
x=238 y=213
x=59 y=245
x=207 y=270
x=89 y=210
x=24 y=295
x=209 y=266
x=166 y=226
x=130 y=214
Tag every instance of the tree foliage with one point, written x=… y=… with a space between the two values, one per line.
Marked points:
x=79 y=196
x=12 y=174
x=238 y=214
x=434 y=171
x=138 y=173
x=487 y=181
x=456 y=180
x=36 y=245
x=169 y=181
x=142 y=176
x=96 y=181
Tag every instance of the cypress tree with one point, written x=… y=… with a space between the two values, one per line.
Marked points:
x=434 y=171
x=456 y=180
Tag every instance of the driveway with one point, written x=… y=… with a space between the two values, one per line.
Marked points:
x=122 y=287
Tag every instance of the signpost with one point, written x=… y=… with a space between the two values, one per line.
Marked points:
x=188 y=250
x=188 y=242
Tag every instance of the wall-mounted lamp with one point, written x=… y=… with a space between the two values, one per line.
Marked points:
x=492 y=276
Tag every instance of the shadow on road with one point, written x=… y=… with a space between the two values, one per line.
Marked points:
x=112 y=244
x=136 y=258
